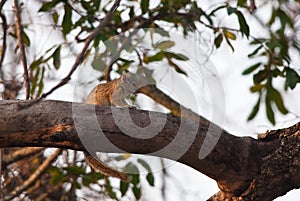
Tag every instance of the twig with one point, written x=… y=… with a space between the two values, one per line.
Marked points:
x=22 y=48
x=163 y=177
x=139 y=57
x=252 y=6
x=34 y=177
x=3 y=51
x=2 y=4
x=4 y=27
x=20 y=154
x=80 y=57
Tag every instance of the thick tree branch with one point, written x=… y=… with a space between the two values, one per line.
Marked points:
x=73 y=125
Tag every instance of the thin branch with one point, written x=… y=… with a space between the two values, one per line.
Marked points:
x=3 y=51
x=20 y=154
x=252 y=6
x=22 y=47
x=80 y=57
x=163 y=177
x=34 y=177
x=2 y=4
x=139 y=57
x=176 y=109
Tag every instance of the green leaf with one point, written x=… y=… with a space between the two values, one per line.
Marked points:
x=276 y=97
x=144 y=6
x=241 y=3
x=123 y=187
x=284 y=19
x=131 y=12
x=254 y=110
x=87 y=6
x=273 y=16
x=244 y=27
x=257 y=87
x=150 y=179
x=229 y=43
x=162 y=32
x=230 y=10
x=251 y=68
x=35 y=80
x=41 y=83
x=164 y=44
x=112 y=46
x=137 y=192
x=176 y=56
x=98 y=63
x=55 y=17
x=135 y=179
x=75 y=170
x=218 y=40
x=57 y=175
x=57 y=178
x=144 y=164
x=134 y=173
x=260 y=76
x=96 y=4
x=47 y=6
x=269 y=111
x=91 y=178
x=157 y=57
x=56 y=57
x=36 y=63
x=109 y=189
x=212 y=13
x=77 y=185
x=132 y=168
x=176 y=67
x=67 y=20
x=229 y=34
x=276 y=72
x=255 y=51
x=292 y=78
x=25 y=38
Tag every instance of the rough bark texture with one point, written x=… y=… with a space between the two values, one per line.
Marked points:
x=245 y=168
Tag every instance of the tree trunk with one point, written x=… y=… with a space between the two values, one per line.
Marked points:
x=245 y=168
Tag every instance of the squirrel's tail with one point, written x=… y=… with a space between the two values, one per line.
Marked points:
x=104 y=168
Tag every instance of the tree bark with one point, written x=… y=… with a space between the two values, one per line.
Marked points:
x=244 y=168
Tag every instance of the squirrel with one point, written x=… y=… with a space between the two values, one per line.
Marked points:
x=106 y=94
x=113 y=93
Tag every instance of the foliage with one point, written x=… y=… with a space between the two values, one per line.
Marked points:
x=275 y=49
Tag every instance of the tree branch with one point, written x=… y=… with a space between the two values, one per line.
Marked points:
x=34 y=176
x=176 y=109
x=20 y=154
x=73 y=125
x=3 y=51
x=22 y=47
